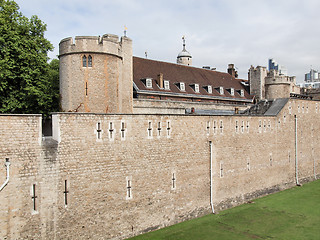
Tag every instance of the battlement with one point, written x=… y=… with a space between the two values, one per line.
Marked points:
x=274 y=77
x=106 y=44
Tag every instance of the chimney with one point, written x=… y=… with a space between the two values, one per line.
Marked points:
x=232 y=71
x=160 y=80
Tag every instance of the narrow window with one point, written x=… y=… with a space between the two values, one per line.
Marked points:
x=65 y=192
x=269 y=125
x=208 y=127
x=159 y=129
x=236 y=126
x=298 y=108
x=260 y=128
x=221 y=169
x=221 y=126
x=242 y=126
x=129 y=189
x=270 y=159
x=302 y=108
x=248 y=126
x=248 y=165
x=168 y=129
x=214 y=127
x=34 y=197
x=89 y=61
x=284 y=118
x=149 y=129
x=264 y=126
x=99 y=130
x=123 y=130
x=111 y=130
x=289 y=156
x=86 y=88
x=84 y=61
x=173 y=181
x=290 y=108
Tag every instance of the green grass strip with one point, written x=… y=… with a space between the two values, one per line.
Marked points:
x=291 y=214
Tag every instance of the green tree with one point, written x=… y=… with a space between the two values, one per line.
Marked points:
x=53 y=85
x=24 y=68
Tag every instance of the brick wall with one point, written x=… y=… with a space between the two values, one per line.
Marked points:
x=95 y=183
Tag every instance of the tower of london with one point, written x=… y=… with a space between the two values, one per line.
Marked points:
x=142 y=144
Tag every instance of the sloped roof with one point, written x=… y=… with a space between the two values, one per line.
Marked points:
x=176 y=73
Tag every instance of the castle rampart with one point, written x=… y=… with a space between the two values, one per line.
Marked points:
x=117 y=175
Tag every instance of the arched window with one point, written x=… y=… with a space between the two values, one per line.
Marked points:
x=84 y=61
x=89 y=61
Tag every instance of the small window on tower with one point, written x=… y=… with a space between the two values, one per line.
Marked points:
x=84 y=61
x=89 y=61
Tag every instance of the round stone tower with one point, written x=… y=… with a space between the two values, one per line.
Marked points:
x=96 y=74
x=184 y=57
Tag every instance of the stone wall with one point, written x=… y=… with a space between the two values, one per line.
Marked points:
x=105 y=176
x=143 y=106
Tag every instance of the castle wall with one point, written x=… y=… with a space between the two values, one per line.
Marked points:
x=143 y=106
x=115 y=176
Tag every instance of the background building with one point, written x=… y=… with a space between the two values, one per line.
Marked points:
x=273 y=65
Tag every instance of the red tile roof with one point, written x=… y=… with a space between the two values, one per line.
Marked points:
x=176 y=73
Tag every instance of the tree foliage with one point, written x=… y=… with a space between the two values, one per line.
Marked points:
x=27 y=80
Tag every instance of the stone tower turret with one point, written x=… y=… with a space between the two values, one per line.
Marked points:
x=184 y=57
x=96 y=74
x=256 y=77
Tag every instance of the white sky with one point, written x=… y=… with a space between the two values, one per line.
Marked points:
x=218 y=32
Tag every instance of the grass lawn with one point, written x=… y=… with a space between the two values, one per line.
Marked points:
x=290 y=214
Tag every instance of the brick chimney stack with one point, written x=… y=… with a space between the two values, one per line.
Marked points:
x=232 y=71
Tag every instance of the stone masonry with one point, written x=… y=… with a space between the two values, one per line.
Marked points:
x=112 y=176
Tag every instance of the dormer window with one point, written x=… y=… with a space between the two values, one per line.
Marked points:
x=196 y=88
x=166 y=85
x=232 y=91
x=182 y=86
x=241 y=93
x=149 y=83
x=221 y=90
x=210 y=89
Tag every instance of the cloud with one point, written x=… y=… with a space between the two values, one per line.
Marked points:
x=218 y=32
